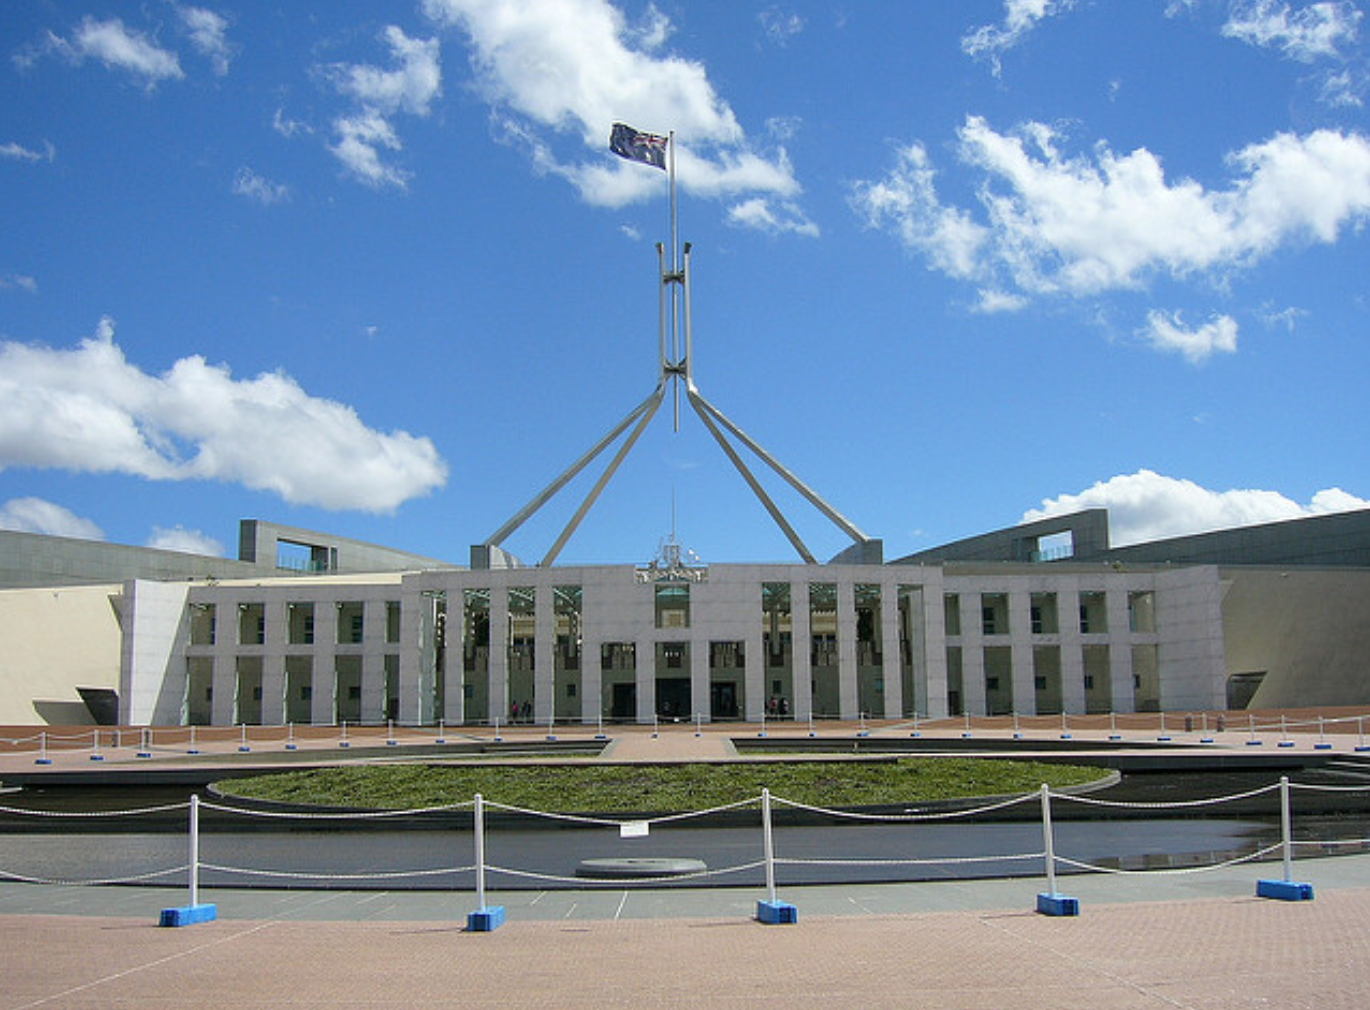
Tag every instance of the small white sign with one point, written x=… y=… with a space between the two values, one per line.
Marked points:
x=633 y=829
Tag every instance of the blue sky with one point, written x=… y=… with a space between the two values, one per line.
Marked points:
x=371 y=268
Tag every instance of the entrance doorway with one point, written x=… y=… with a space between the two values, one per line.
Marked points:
x=723 y=699
x=673 y=697
x=623 y=704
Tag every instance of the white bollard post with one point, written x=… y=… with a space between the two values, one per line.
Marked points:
x=699 y=729
x=290 y=737
x=442 y=731
x=771 y=910
x=486 y=917
x=1285 y=889
x=479 y=829
x=195 y=911
x=192 y=749
x=243 y=747
x=551 y=724
x=43 y=758
x=145 y=742
x=95 y=754
x=1065 y=726
x=498 y=738
x=1360 y=729
x=194 y=849
x=1051 y=902
x=342 y=740
x=390 y=740
x=763 y=722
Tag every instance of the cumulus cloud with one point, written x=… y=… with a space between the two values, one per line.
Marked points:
x=1055 y=224
x=554 y=68
x=209 y=35
x=18 y=152
x=23 y=281
x=779 y=26
x=409 y=86
x=36 y=515
x=88 y=409
x=1167 y=332
x=118 y=47
x=1020 y=17
x=184 y=541
x=1146 y=506
x=1316 y=31
x=253 y=186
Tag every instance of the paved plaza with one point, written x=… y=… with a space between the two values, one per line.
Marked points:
x=1154 y=940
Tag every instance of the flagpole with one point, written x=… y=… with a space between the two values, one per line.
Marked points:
x=675 y=275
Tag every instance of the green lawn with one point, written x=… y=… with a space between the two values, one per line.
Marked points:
x=658 y=788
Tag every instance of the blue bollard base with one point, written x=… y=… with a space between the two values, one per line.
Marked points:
x=1362 y=749
x=1285 y=743
x=292 y=746
x=189 y=915
x=145 y=754
x=97 y=757
x=244 y=749
x=776 y=912
x=864 y=733
x=1322 y=745
x=1253 y=743
x=1115 y=736
x=43 y=761
x=601 y=736
x=1205 y=739
x=1067 y=736
x=1284 y=890
x=1057 y=904
x=485 y=920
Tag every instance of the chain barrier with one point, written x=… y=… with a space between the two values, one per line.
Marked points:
x=481 y=866
x=302 y=875
x=855 y=815
x=624 y=881
x=1171 y=804
x=340 y=815
x=104 y=882
x=1248 y=857
x=939 y=861
x=135 y=812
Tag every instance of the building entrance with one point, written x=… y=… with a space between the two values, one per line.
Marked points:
x=623 y=704
x=723 y=700
x=673 y=697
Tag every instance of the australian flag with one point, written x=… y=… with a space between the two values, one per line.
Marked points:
x=648 y=148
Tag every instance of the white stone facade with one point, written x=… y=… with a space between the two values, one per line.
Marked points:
x=581 y=644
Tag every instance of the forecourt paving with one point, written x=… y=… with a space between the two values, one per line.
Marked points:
x=1147 y=941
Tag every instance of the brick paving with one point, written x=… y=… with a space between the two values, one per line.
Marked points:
x=1229 y=954
x=1212 y=950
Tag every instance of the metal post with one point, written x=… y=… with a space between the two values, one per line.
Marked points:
x=766 y=841
x=43 y=758
x=194 y=849
x=1048 y=844
x=1285 y=832
x=480 y=851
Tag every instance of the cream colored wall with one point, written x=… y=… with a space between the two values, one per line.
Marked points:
x=51 y=642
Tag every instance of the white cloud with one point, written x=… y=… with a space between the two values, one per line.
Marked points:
x=24 y=281
x=360 y=140
x=410 y=87
x=185 y=541
x=1083 y=225
x=36 y=515
x=557 y=67
x=1149 y=506
x=17 y=152
x=89 y=410
x=209 y=35
x=1020 y=17
x=288 y=127
x=779 y=26
x=764 y=215
x=1168 y=333
x=118 y=47
x=906 y=200
x=1315 y=31
x=251 y=185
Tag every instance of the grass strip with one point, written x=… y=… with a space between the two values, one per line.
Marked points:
x=658 y=788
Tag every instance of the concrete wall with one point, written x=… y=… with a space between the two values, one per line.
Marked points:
x=53 y=641
x=1307 y=631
